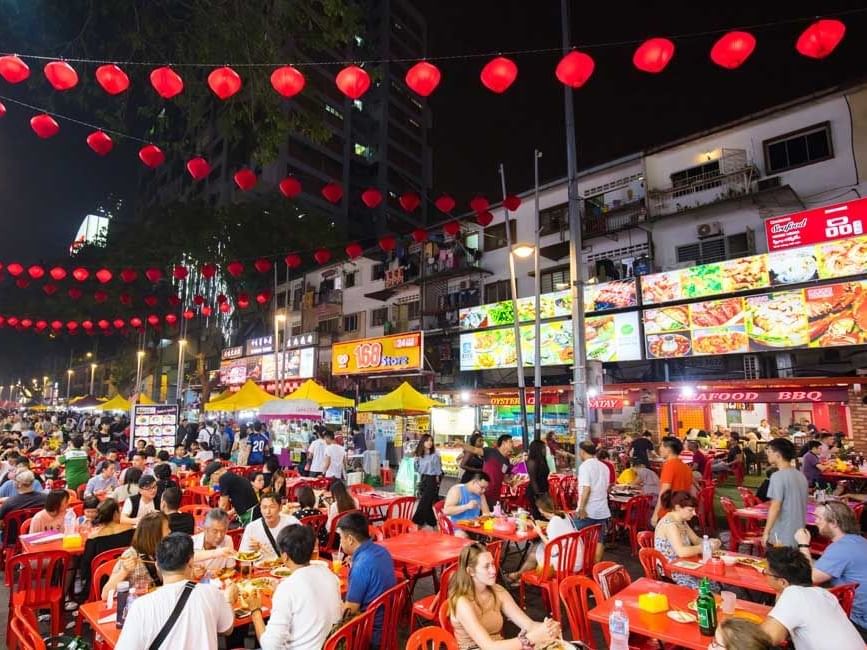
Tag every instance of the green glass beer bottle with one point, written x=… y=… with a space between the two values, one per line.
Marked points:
x=705 y=607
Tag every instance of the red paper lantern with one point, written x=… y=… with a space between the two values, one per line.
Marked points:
x=445 y=203
x=498 y=74
x=151 y=300
x=72 y=325
x=180 y=272
x=198 y=299
x=61 y=75
x=198 y=168
x=167 y=82
x=44 y=126
x=87 y=325
x=419 y=235
x=13 y=69
x=125 y=298
x=49 y=289
x=354 y=250
x=575 y=69
x=287 y=81
x=235 y=269
x=100 y=295
x=293 y=260
x=353 y=81
x=653 y=55
x=409 y=201
x=12 y=321
x=423 y=78
x=225 y=82
x=484 y=219
x=118 y=323
x=128 y=275
x=36 y=272
x=26 y=323
x=221 y=298
x=371 y=197
x=245 y=179
x=100 y=142
x=56 y=325
x=2 y=109
x=154 y=274
x=22 y=283
x=512 y=202
x=322 y=255
x=40 y=325
x=452 y=228
x=80 y=274
x=209 y=270
x=263 y=297
x=479 y=203
x=225 y=308
x=332 y=192
x=104 y=276
x=290 y=187
x=188 y=314
x=387 y=243
x=57 y=273
x=151 y=155
x=263 y=265
x=733 y=49
x=113 y=80
x=153 y=320
x=821 y=38
x=14 y=269
x=174 y=301
x=135 y=321
x=207 y=311
x=243 y=301
x=103 y=324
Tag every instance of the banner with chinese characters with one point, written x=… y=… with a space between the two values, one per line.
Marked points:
x=396 y=353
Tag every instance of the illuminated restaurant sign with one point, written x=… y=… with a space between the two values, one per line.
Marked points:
x=235 y=352
x=603 y=402
x=828 y=223
x=514 y=400
x=259 y=345
x=397 y=353
x=797 y=395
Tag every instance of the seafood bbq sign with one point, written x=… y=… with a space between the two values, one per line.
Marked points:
x=765 y=396
x=828 y=223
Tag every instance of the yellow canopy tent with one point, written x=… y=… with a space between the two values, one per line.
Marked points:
x=116 y=403
x=76 y=399
x=251 y=396
x=312 y=391
x=38 y=407
x=403 y=400
x=226 y=393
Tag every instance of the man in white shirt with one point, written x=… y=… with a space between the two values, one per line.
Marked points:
x=213 y=536
x=206 y=613
x=306 y=605
x=593 y=479
x=334 y=457
x=206 y=432
x=316 y=454
x=255 y=536
x=810 y=615
x=138 y=505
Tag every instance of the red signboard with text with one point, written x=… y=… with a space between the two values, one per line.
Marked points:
x=753 y=396
x=827 y=223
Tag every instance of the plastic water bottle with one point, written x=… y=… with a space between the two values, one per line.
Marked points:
x=69 y=523
x=706 y=550
x=618 y=627
x=498 y=510
x=206 y=579
x=123 y=597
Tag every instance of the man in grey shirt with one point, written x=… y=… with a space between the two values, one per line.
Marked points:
x=787 y=492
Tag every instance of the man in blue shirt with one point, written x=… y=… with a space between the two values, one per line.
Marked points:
x=372 y=568
x=259 y=443
x=810 y=463
x=10 y=487
x=844 y=559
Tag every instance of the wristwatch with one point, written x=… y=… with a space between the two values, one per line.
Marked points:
x=803 y=546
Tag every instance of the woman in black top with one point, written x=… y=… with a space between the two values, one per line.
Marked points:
x=537 y=470
x=472 y=463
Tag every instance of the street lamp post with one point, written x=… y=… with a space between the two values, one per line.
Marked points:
x=92 y=376
x=523 y=251
x=139 y=358
x=69 y=374
x=182 y=344
x=278 y=371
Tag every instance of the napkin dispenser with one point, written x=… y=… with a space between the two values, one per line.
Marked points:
x=653 y=603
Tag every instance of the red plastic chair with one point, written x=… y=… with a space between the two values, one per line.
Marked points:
x=316 y=522
x=705 y=510
x=79 y=491
x=636 y=518
x=359 y=488
x=98 y=579
x=320 y=484
x=236 y=534
x=568 y=493
x=738 y=471
x=198 y=510
x=401 y=508
x=444 y=617
x=654 y=564
x=431 y=638
x=737 y=534
x=707 y=473
x=25 y=527
x=354 y=635
x=611 y=577
x=845 y=593
x=646 y=539
x=12 y=522
x=38 y=581
x=393 y=603
x=427 y=608
x=375 y=533
x=750 y=500
x=444 y=524
x=496 y=551
x=23 y=632
x=106 y=557
x=398 y=526
x=575 y=593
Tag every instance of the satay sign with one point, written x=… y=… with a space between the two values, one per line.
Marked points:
x=788 y=395
x=828 y=223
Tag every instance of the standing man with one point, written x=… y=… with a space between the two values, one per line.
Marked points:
x=675 y=476
x=76 y=461
x=641 y=446
x=260 y=444
x=261 y=535
x=593 y=480
x=495 y=465
x=235 y=492
x=334 y=458
x=787 y=491
x=316 y=455
x=181 y=434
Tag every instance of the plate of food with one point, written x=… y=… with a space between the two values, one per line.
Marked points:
x=792 y=266
x=720 y=341
x=778 y=320
x=226 y=574
x=668 y=346
x=268 y=564
x=715 y=313
x=281 y=572
x=247 y=556
x=756 y=563
x=264 y=584
x=666 y=319
x=681 y=616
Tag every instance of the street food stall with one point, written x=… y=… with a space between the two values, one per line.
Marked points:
x=297 y=437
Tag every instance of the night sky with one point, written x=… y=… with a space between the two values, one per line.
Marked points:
x=48 y=186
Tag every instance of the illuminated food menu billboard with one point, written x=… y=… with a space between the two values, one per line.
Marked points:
x=827 y=223
x=823 y=261
x=825 y=316
x=614 y=337
x=605 y=296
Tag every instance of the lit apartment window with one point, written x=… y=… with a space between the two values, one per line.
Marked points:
x=378 y=316
x=362 y=150
x=335 y=112
x=554 y=219
x=350 y=323
x=358 y=104
x=800 y=148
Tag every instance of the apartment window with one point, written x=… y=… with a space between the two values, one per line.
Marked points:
x=407 y=311
x=378 y=316
x=335 y=112
x=554 y=280
x=328 y=326
x=349 y=279
x=696 y=179
x=296 y=330
x=377 y=271
x=495 y=236
x=497 y=291
x=350 y=323
x=800 y=148
x=555 y=219
x=362 y=151
x=717 y=249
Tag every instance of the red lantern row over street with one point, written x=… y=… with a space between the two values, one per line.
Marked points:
x=113 y=80
x=60 y=75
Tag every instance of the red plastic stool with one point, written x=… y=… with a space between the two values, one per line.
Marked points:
x=386 y=476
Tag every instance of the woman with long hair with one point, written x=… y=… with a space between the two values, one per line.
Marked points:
x=130 y=485
x=107 y=533
x=342 y=501
x=52 y=516
x=307 y=500
x=472 y=463
x=241 y=446
x=537 y=471
x=429 y=468
x=137 y=564
x=478 y=605
x=674 y=537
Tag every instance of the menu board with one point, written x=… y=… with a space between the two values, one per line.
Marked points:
x=824 y=261
x=605 y=296
x=614 y=337
x=298 y=363
x=551 y=305
x=156 y=424
x=837 y=314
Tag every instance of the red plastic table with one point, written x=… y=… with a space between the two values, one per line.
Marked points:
x=660 y=626
x=424 y=549
x=55 y=545
x=760 y=512
x=738 y=575
x=202 y=492
x=374 y=503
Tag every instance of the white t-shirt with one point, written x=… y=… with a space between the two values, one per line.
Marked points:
x=205 y=434
x=317 y=455
x=256 y=530
x=216 y=563
x=336 y=453
x=205 y=615
x=815 y=620
x=304 y=608
x=143 y=508
x=594 y=473
x=557 y=527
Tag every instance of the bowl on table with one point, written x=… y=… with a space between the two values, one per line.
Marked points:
x=729 y=560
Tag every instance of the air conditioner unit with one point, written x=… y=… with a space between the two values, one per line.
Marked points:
x=709 y=229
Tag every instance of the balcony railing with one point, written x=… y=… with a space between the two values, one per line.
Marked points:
x=704 y=190
x=329 y=297
x=615 y=218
